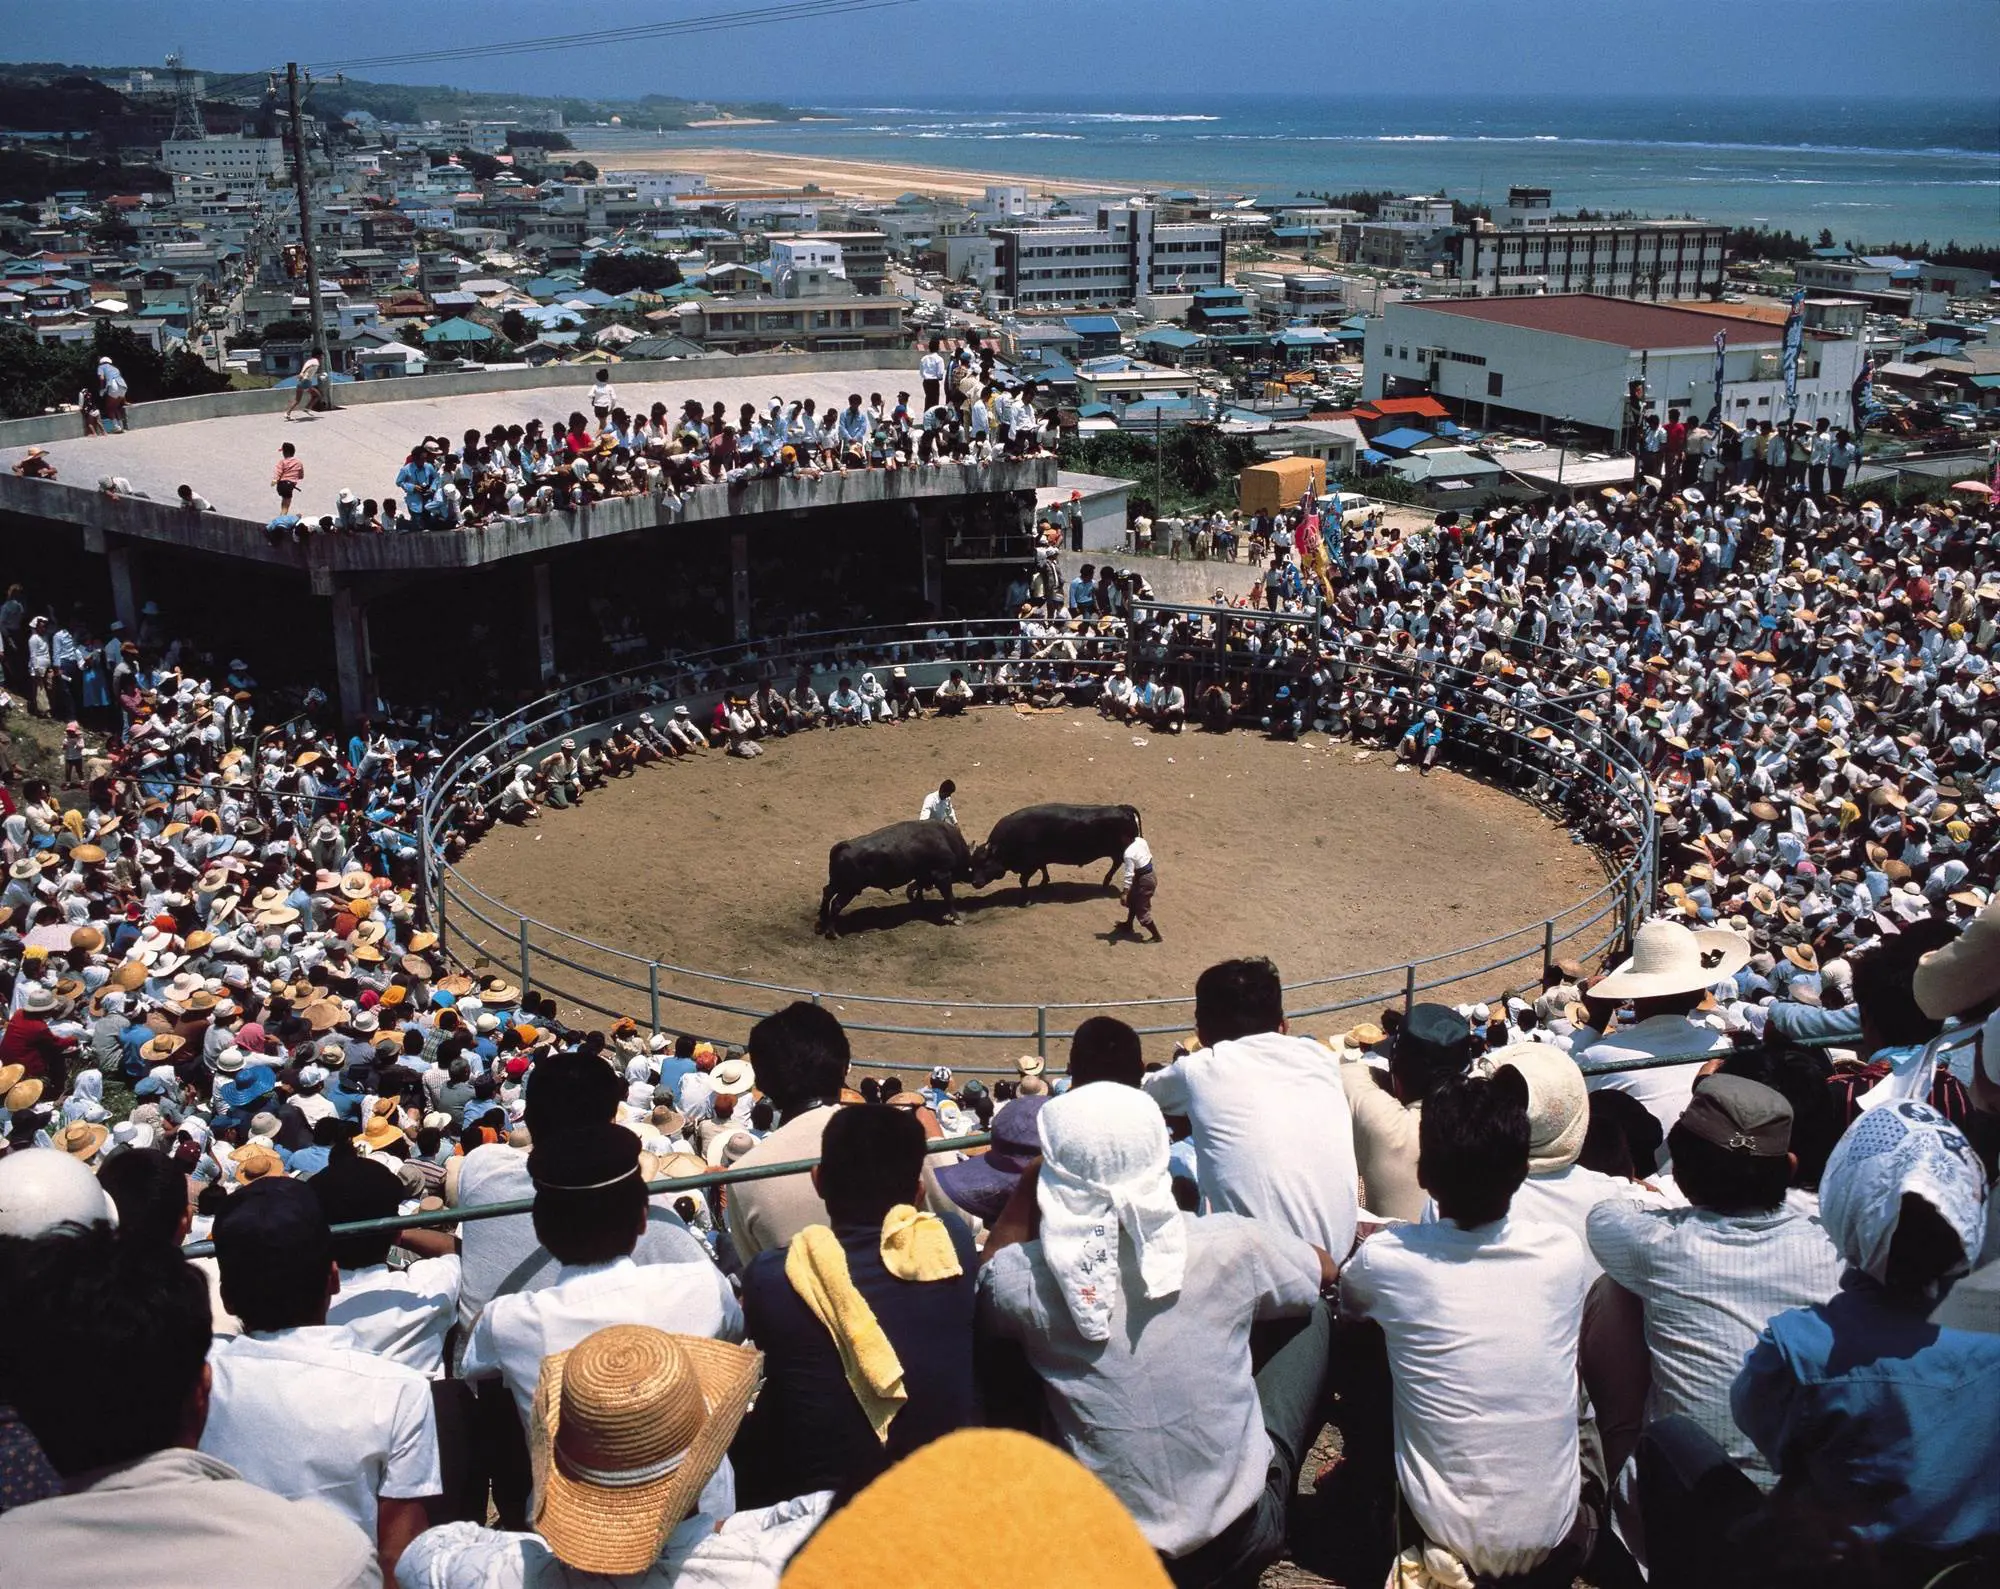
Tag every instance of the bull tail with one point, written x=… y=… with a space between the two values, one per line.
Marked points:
x=1136 y=822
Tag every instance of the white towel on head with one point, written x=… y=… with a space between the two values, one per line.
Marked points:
x=1104 y=1175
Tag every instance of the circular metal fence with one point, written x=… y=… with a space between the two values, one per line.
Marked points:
x=1546 y=754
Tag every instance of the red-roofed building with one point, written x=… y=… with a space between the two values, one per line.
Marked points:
x=1527 y=362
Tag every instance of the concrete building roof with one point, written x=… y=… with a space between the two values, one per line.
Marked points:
x=1593 y=317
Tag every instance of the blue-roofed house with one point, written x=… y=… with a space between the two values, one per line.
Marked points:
x=1096 y=334
x=1170 y=345
x=460 y=332
x=1401 y=441
x=1220 y=309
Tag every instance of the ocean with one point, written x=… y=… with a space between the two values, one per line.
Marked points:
x=1870 y=170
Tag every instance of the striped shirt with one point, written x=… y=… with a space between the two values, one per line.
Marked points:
x=1710 y=1283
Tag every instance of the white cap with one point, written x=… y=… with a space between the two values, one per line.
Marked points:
x=41 y=1188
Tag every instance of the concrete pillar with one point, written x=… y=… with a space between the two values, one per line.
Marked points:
x=353 y=665
x=932 y=535
x=545 y=624
x=124 y=586
x=739 y=584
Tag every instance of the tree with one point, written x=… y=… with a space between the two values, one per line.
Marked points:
x=37 y=376
x=1825 y=237
x=580 y=171
x=617 y=273
x=529 y=138
x=514 y=327
x=483 y=167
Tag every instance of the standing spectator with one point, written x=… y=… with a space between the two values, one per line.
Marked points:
x=1272 y=1132
x=145 y=1502
x=14 y=638
x=298 y=1406
x=603 y=399
x=111 y=393
x=306 y=388
x=288 y=476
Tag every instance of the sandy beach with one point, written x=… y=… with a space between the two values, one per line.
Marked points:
x=763 y=169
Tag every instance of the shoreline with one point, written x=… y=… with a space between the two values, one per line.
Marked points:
x=836 y=177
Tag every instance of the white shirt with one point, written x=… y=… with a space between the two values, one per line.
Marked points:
x=1138 y=855
x=746 y=1550
x=1272 y=1133
x=401 y=1314
x=1565 y=1197
x=938 y=808
x=1482 y=1329
x=309 y=1415
x=1711 y=1282
x=1666 y=1089
x=516 y=1331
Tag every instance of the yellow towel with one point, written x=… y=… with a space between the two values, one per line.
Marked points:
x=915 y=1246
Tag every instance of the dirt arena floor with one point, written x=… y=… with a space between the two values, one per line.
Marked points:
x=1324 y=859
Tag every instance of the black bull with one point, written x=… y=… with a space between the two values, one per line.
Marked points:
x=912 y=855
x=1037 y=837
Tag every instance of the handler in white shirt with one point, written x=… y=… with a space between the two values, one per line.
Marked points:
x=1272 y=1132
x=937 y=805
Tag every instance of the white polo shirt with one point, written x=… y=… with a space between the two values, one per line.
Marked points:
x=401 y=1314
x=308 y=1414
x=1482 y=1329
x=1273 y=1135
x=517 y=1330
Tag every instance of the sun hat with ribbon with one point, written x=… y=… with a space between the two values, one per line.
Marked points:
x=628 y=1426
x=1668 y=958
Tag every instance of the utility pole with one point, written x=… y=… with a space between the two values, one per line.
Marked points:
x=1159 y=502
x=303 y=184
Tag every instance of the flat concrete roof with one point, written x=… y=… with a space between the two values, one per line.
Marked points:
x=229 y=459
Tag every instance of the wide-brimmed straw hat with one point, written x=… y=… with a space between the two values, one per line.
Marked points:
x=734 y=1077
x=1668 y=958
x=628 y=1426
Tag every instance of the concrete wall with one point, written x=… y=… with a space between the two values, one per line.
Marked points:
x=324 y=557
x=43 y=428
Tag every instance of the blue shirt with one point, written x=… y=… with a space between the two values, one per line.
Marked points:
x=309 y=1161
x=1885 y=1418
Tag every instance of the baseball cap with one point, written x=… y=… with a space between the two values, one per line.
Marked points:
x=1740 y=1116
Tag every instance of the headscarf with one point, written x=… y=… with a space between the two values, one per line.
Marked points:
x=1104 y=1173
x=1900 y=1147
x=1558 y=1102
x=86 y=1098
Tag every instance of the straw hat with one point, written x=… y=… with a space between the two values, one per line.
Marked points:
x=1558 y=1103
x=356 y=885
x=381 y=1131
x=22 y=1095
x=1668 y=958
x=628 y=1426
x=10 y=1077
x=82 y=1140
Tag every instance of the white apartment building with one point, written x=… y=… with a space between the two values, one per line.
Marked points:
x=1529 y=249
x=1125 y=254
x=1535 y=360
x=232 y=158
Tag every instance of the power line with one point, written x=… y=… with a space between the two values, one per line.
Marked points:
x=712 y=22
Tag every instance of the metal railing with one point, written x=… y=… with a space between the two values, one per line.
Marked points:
x=1598 y=784
x=430 y=1218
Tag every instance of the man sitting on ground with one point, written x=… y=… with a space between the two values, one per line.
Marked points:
x=143 y=1504
x=1481 y=1313
x=865 y=1322
x=1138 y=1318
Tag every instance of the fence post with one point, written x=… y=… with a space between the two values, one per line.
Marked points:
x=1409 y=988
x=653 y=989
x=1042 y=1030
x=527 y=955
x=1548 y=946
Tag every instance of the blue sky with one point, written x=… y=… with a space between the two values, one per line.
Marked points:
x=1093 y=47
